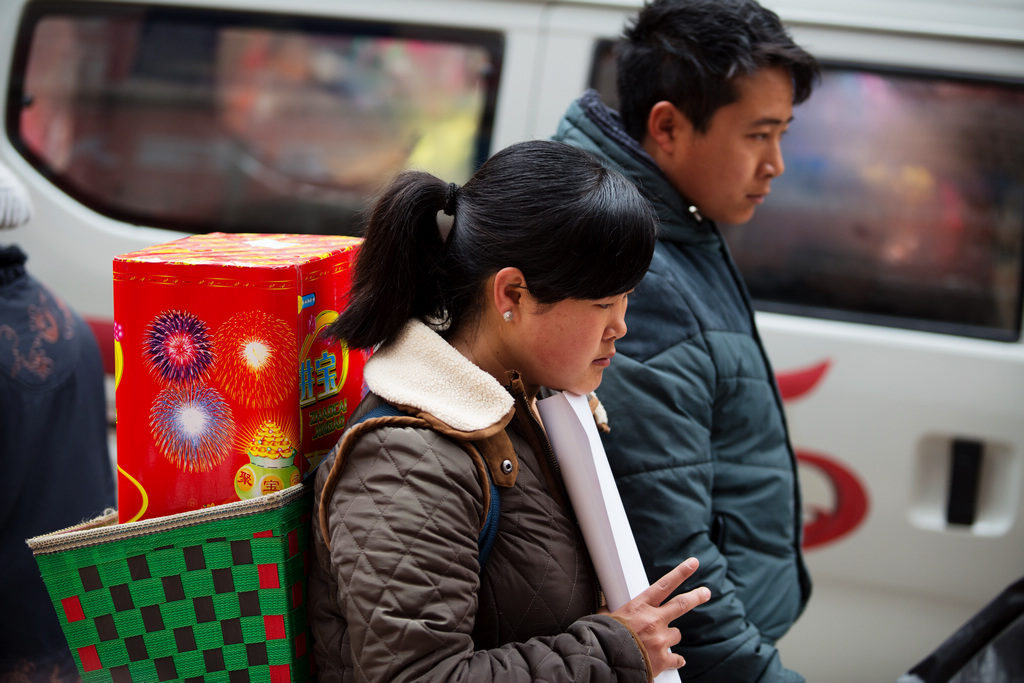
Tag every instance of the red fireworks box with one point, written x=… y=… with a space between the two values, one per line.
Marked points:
x=225 y=389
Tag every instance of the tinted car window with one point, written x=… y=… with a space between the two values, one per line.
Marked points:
x=902 y=203
x=230 y=121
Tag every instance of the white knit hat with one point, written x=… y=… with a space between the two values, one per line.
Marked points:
x=15 y=207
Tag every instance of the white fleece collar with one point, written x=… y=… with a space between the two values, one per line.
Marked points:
x=420 y=369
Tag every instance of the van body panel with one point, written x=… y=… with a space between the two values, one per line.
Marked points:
x=911 y=442
x=890 y=408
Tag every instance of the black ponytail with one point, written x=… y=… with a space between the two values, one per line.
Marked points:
x=397 y=268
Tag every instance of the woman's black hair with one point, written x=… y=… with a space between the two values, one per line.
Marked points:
x=576 y=229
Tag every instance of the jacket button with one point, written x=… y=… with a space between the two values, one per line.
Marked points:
x=506 y=466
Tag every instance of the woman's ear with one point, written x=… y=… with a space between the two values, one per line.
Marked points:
x=507 y=290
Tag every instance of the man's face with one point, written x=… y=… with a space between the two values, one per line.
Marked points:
x=727 y=170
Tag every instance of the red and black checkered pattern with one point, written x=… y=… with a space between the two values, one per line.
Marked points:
x=193 y=608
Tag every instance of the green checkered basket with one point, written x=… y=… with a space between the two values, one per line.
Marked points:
x=217 y=594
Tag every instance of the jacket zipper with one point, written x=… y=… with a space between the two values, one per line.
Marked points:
x=522 y=403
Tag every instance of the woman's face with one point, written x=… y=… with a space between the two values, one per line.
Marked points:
x=567 y=345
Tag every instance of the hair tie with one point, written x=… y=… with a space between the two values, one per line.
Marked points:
x=450 y=196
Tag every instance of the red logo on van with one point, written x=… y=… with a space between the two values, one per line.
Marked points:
x=826 y=523
x=830 y=520
x=796 y=383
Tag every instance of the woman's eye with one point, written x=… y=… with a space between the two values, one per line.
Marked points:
x=619 y=299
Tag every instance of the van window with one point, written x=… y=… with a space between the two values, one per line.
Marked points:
x=902 y=204
x=239 y=122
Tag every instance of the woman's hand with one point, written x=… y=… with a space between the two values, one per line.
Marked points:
x=650 y=618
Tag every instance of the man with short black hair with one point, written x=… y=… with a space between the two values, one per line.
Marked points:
x=698 y=440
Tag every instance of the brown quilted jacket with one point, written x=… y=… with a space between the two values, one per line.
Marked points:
x=396 y=593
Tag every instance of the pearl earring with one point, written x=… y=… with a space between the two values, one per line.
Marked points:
x=507 y=316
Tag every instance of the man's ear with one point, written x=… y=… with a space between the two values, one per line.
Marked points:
x=666 y=127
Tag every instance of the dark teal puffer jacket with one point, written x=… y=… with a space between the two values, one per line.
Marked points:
x=698 y=441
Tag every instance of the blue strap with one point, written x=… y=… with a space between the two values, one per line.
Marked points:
x=383 y=410
x=490 y=530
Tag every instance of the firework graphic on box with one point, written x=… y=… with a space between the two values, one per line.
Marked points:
x=177 y=347
x=193 y=427
x=257 y=358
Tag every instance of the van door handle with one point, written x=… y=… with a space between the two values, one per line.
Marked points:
x=964 y=480
x=966 y=484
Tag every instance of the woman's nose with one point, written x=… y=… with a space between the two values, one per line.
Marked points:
x=617 y=330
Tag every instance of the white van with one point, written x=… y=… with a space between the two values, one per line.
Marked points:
x=887 y=266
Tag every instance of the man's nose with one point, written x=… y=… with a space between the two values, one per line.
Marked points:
x=772 y=166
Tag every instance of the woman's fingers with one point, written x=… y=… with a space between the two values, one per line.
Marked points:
x=684 y=602
x=650 y=613
x=674 y=661
x=659 y=591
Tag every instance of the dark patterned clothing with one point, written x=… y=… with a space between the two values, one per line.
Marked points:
x=56 y=466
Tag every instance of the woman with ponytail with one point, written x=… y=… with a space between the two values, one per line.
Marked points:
x=475 y=299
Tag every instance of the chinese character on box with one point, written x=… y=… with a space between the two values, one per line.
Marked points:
x=225 y=389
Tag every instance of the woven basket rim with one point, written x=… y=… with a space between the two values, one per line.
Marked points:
x=104 y=528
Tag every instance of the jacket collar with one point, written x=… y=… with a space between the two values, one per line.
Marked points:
x=421 y=370
x=592 y=125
